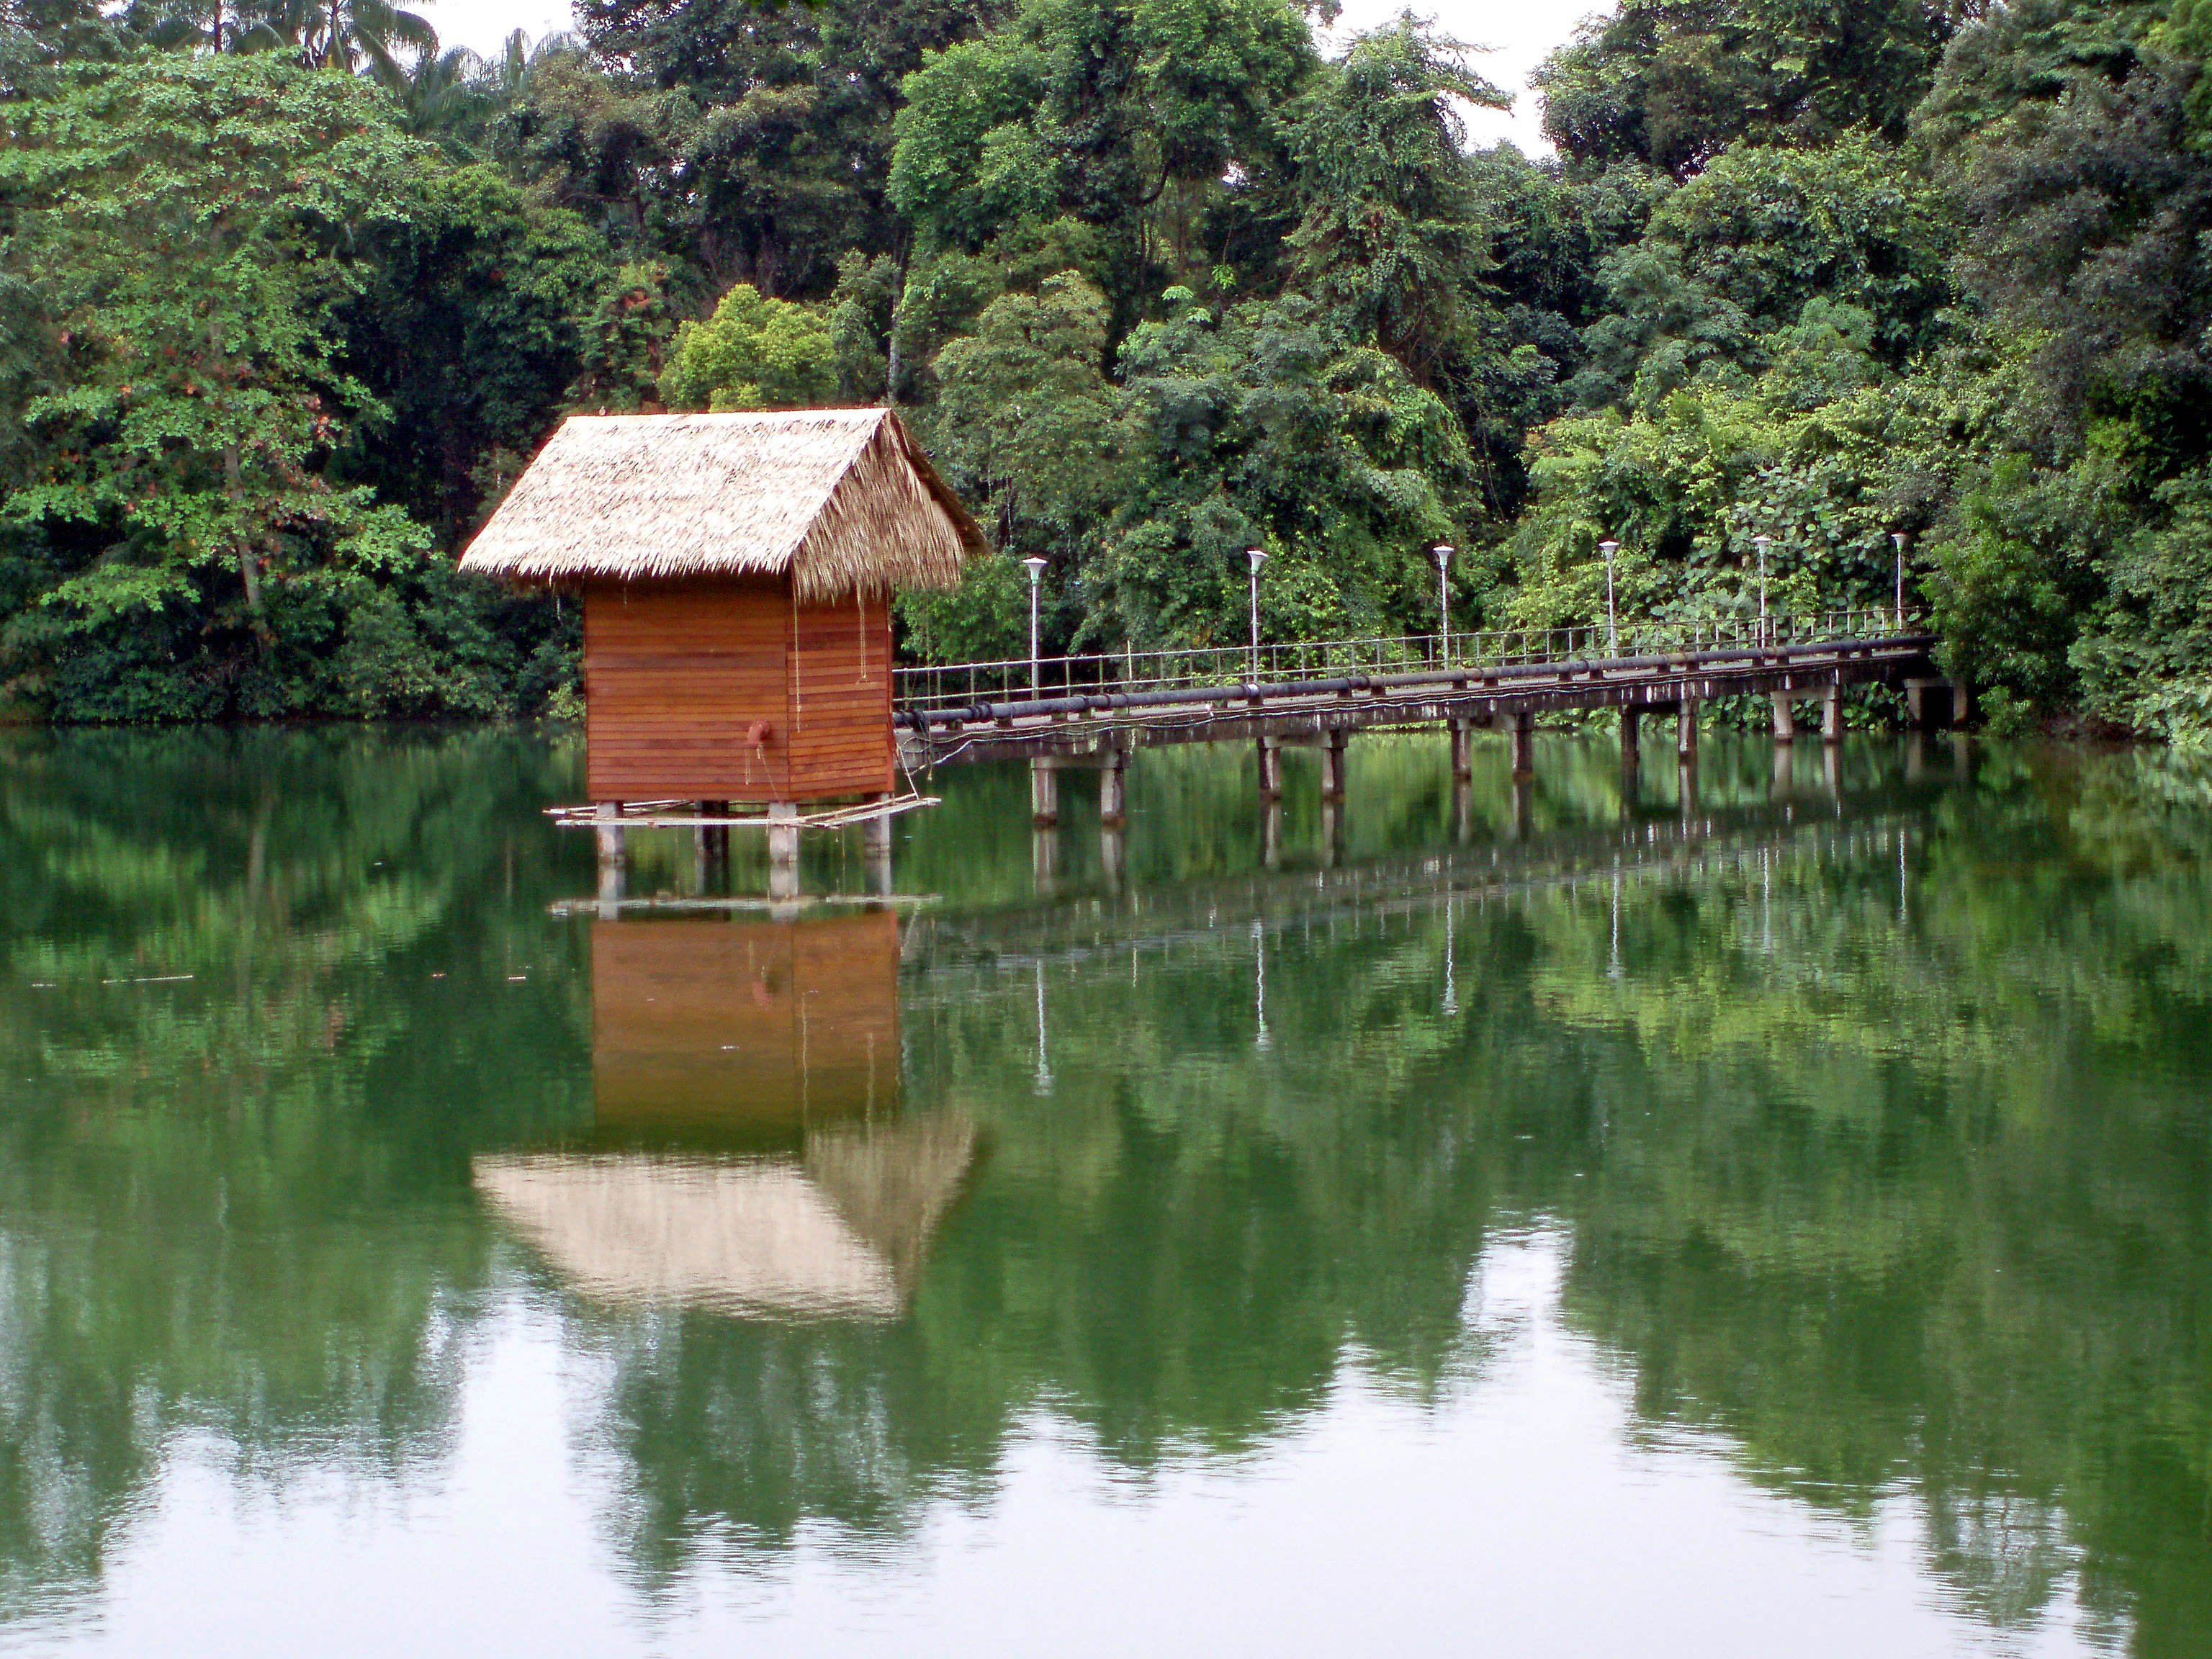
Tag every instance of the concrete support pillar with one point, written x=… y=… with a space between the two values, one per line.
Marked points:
x=1114 y=787
x=1270 y=768
x=1113 y=854
x=1921 y=712
x=1685 y=729
x=1331 y=829
x=1462 y=748
x=1916 y=756
x=1524 y=804
x=1686 y=774
x=611 y=862
x=1463 y=806
x=1785 y=717
x=1044 y=857
x=1333 y=764
x=1832 y=771
x=875 y=850
x=1271 y=834
x=1044 y=791
x=1832 y=713
x=1524 y=747
x=783 y=849
x=1783 y=755
x=1962 y=703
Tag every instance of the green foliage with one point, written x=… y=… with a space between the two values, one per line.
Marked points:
x=1162 y=122
x=471 y=321
x=1675 y=83
x=749 y=142
x=1391 y=239
x=1024 y=413
x=1155 y=280
x=2014 y=576
x=197 y=233
x=753 y=353
x=1267 y=426
x=1740 y=251
x=197 y=385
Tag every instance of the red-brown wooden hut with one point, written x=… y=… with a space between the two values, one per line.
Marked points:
x=736 y=571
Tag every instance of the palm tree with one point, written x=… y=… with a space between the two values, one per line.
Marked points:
x=191 y=25
x=367 y=35
x=518 y=60
x=446 y=96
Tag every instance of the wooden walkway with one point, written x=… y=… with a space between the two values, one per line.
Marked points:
x=1098 y=709
x=1123 y=702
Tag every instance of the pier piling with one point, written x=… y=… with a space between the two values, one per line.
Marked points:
x=1044 y=791
x=1270 y=768
x=1113 y=786
x=1524 y=746
x=1332 y=763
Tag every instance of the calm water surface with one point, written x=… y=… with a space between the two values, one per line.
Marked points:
x=1778 y=1223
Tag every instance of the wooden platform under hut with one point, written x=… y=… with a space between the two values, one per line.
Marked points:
x=736 y=573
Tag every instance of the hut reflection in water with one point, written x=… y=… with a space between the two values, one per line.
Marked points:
x=749 y=1154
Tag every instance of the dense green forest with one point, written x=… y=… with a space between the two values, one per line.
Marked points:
x=288 y=294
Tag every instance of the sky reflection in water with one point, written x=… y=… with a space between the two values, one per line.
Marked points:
x=1771 y=1222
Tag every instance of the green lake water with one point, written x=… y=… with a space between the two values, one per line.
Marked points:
x=1773 y=1223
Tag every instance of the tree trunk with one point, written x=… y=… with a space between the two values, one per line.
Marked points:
x=891 y=364
x=248 y=571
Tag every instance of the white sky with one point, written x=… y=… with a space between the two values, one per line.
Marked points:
x=1521 y=33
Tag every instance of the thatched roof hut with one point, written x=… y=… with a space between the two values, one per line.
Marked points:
x=835 y=500
x=736 y=573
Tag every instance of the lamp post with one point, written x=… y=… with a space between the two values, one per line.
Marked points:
x=1442 y=553
x=1610 y=548
x=1762 y=542
x=1034 y=566
x=1258 y=557
x=1898 y=538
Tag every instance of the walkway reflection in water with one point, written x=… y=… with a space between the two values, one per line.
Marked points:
x=1621 y=1219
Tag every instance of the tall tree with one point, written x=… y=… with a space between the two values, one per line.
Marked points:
x=784 y=142
x=1674 y=82
x=183 y=221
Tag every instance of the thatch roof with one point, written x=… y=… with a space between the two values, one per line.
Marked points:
x=839 y=499
x=841 y=1232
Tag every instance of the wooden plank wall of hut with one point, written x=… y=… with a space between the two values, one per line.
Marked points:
x=742 y=1030
x=840 y=699
x=677 y=673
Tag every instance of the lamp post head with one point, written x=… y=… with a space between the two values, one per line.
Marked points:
x=1035 y=564
x=1258 y=557
x=1762 y=542
x=1609 y=547
x=1442 y=553
x=1900 y=538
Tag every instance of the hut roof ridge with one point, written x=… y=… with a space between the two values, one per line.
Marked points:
x=837 y=498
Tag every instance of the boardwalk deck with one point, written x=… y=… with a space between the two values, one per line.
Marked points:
x=1121 y=710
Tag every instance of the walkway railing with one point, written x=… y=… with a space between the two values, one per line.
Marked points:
x=932 y=687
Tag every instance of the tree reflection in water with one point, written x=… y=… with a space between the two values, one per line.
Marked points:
x=1873 y=1125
